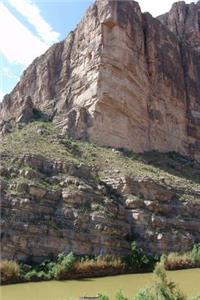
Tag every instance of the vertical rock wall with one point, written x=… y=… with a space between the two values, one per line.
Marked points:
x=121 y=79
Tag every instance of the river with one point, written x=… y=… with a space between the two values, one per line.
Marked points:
x=188 y=281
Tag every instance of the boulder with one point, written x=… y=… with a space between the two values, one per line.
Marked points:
x=37 y=191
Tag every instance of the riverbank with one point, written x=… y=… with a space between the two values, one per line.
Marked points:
x=185 y=260
x=70 y=267
x=130 y=284
x=75 y=274
x=74 y=267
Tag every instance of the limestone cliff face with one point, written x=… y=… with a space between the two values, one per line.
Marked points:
x=121 y=78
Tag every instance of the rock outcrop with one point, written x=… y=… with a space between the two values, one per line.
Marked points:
x=65 y=210
x=52 y=207
x=121 y=78
x=59 y=195
x=158 y=222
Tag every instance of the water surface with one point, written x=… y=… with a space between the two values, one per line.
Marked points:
x=188 y=281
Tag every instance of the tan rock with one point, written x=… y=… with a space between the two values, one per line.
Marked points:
x=37 y=191
x=134 y=203
x=4 y=171
x=113 y=80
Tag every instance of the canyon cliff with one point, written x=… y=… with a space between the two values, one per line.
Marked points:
x=122 y=78
x=121 y=83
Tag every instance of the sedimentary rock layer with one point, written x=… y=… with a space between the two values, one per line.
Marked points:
x=49 y=207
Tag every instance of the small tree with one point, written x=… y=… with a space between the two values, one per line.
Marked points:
x=162 y=289
x=65 y=263
x=103 y=297
x=195 y=254
x=120 y=296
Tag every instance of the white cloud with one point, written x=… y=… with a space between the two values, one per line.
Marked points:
x=2 y=94
x=32 y=13
x=157 y=7
x=7 y=72
x=18 y=44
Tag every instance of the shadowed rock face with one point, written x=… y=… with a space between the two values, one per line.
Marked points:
x=121 y=78
x=184 y=20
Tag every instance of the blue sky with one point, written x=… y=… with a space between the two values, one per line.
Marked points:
x=29 y=27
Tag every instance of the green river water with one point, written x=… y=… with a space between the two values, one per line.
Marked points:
x=187 y=280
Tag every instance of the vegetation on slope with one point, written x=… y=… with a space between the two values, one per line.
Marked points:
x=44 y=138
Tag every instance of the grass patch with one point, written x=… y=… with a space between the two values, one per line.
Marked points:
x=9 y=271
x=185 y=260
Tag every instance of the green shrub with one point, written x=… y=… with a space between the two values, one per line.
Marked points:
x=65 y=263
x=66 y=260
x=103 y=297
x=195 y=254
x=31 y=275
x=43 y=275
x=49 y=268
x=35 y=275
x=161 y=289
x=144 y=294
x=37 y=113
x=139 y=260
x=120 y=296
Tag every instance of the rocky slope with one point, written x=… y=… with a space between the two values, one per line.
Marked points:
x=121 y=79
x=61 y=195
